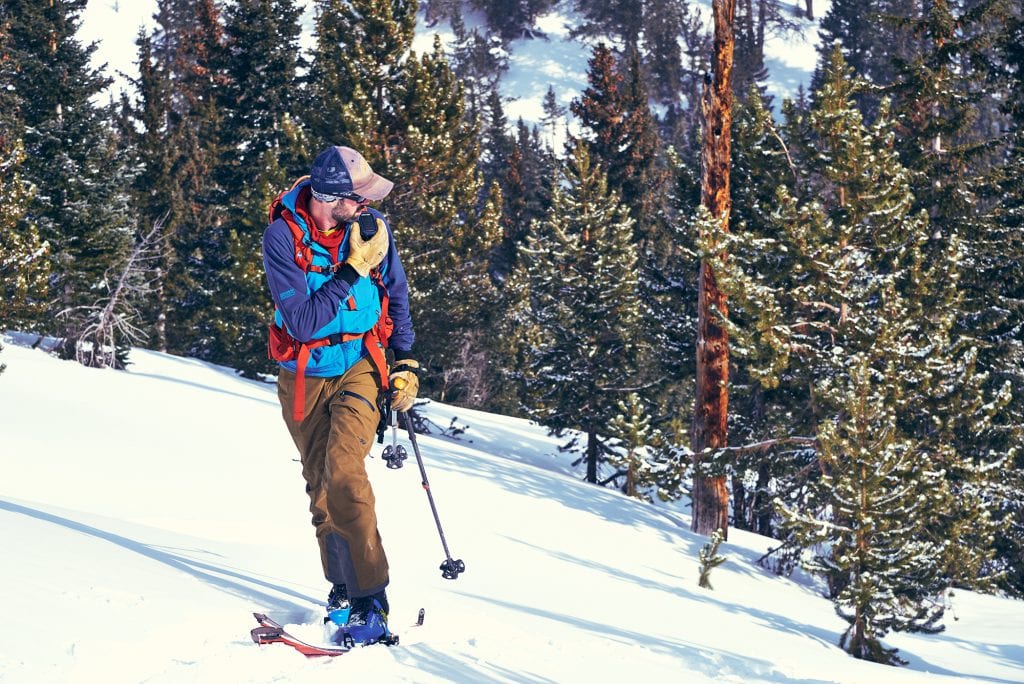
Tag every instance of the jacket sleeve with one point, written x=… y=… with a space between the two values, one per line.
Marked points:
x=304 y=312
x=403 y=336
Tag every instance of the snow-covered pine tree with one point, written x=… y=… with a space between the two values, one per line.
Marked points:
x=945 y=137
x=70 y=160
x=620 y=20
x=512 y=18
x=621 y=135
x=24 y=257
x=263 y=152
x=526 y=188
x=357 y=63
x=261 y=101
x=871 y=509
x=661 y=53
x=406 y=113
x=709 y=559
x=760 y=413
x=181 y=74
x=1000 y=264
x=447 y=221
x=479 y=62
x=584 y=312
x=554 y=115
x=144 y=128
x=496 y=141
x=872 y=34
x=630 y=432
x=668 y=298
x=840 y=297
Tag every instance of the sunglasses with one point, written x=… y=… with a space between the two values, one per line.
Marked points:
x=322 y=197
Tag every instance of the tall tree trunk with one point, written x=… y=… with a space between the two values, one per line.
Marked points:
x=711 y=410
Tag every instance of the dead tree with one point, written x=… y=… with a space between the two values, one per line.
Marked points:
x=711 y=410
x=112 y=320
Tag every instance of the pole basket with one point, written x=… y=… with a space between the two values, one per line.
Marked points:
x=451 y=569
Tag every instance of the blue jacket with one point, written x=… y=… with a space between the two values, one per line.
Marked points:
x=314 y=305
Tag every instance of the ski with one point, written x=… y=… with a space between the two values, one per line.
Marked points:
x=271 y=632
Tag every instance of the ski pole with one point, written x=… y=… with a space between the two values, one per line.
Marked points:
x=450 y=569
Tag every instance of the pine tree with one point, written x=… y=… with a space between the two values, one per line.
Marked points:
x=479 y=62
x=584 y=312
x=260 y=93
x=406 y=113
x=999 y=263
x=447 y=226
x=761 y=162
x=620 y=19
x=630 y=432
x=145 y=126
x=619 y=129
x=668 y=298
x=436 y=10
x=554 y=114
x=875 y=484
x=263 y=151
x=526 y=189
x=847 y=299
x=496 y=140
x=709 y=559
x=70 y=160
x=357 y=64
x=944 y=114
x=872 y=33
x=24 y=257
x=751 y=27
x=512 y=18
x=181 y=68
x=754 y=21
x=664 y=22
x=938 y=99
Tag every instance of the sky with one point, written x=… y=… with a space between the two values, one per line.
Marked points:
x=145 y=515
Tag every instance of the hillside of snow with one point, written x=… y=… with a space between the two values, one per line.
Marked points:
x=144 y=515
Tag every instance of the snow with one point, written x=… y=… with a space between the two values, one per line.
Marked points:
x=144 y=515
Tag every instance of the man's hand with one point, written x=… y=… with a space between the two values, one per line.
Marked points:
x=404 y=383
x=364 y=256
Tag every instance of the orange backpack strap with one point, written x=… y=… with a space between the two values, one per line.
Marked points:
x=301 y=361
x=376 y=339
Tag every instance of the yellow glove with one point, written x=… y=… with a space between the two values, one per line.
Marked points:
x=404 y=383
x=365 y=255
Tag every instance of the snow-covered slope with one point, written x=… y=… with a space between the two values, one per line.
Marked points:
x=144 y=515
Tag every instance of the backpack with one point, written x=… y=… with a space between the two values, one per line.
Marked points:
x=281 y=346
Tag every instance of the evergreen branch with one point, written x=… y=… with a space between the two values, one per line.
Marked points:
x=760 y=446
x=785 y=150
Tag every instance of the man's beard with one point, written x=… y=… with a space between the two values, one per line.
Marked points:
x=342 y=216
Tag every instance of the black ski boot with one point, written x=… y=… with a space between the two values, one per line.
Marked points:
x=338 y=605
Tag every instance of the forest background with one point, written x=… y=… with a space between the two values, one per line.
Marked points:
x=873 y=271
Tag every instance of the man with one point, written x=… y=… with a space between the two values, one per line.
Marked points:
x=341 y=295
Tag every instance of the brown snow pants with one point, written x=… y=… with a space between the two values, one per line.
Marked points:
x=341 y=417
